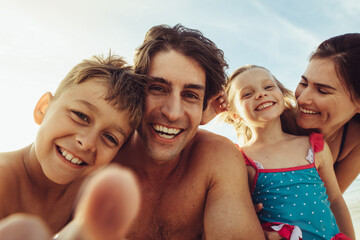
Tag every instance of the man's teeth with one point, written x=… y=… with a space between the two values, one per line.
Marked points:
x=307 y=111
x=166 y=132
x=265 y=105
x=71 y=158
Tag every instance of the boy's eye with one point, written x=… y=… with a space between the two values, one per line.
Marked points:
x=111 y=138
x=82 y=116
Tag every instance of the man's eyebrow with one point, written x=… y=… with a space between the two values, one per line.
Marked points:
x=87 y=104
x=195 y=86
x=318 y=84
x=190 y=85
x=159 y=79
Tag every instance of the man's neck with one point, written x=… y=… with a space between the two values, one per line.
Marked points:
x=134 y=155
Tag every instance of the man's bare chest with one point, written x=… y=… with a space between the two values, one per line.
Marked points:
x=174 y=211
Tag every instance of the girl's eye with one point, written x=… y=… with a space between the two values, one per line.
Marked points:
x=269 y=87
x=246 y=95
x=82 y=116
x=111 y=138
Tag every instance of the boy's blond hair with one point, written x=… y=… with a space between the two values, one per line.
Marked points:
x=125 y=88
x=288 y=117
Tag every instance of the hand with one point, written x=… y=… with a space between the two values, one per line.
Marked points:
x=272 y=235
x=217 y=104
x=258 y=207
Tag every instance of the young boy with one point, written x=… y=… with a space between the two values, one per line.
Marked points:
x=92 y=114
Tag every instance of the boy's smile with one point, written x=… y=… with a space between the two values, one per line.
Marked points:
x=70 y=157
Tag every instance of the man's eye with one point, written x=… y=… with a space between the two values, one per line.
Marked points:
x=156 y=89
x=111 y=138
x=191 y=95
x=82 y=116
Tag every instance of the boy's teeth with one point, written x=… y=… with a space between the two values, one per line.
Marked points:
x=68 y=156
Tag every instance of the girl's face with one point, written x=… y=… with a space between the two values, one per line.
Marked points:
x=324 y=103
x=258 y=99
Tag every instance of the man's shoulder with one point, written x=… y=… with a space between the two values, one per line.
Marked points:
x=208 y=145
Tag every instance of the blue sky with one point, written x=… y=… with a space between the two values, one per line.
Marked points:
x=41 y=40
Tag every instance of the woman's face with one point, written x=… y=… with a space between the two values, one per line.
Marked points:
x=324 y=103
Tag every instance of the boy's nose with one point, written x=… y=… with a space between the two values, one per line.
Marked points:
x=87 y=142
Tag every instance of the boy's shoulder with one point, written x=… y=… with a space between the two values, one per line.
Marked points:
x=10 y=164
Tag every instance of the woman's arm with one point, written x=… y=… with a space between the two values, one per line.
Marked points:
x=348 y=169
x=337 y=202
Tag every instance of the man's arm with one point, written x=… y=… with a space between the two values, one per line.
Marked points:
x=229 y=211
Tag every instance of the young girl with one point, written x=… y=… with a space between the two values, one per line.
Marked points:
x=287 y=173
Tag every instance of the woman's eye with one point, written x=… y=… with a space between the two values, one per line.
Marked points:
x=322 y=91
x=111 y=138
x=304 y=84
x=82 y=116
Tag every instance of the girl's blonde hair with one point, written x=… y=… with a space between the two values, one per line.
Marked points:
x=288 y=117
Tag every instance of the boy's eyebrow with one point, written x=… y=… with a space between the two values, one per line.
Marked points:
x=319 y=84
x=89 y=105
x=121 y=131
x=95 y=109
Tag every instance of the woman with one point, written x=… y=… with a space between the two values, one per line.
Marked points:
x=328 y=96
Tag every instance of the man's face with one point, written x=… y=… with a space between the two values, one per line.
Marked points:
x=173 y=104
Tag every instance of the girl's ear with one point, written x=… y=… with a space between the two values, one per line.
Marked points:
x=41 y=106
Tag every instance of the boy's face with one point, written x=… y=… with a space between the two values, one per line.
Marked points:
x=80 y=132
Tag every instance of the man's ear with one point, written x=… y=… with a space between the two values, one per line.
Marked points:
x=41 y=106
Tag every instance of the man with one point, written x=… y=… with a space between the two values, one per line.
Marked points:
x=193 y=183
